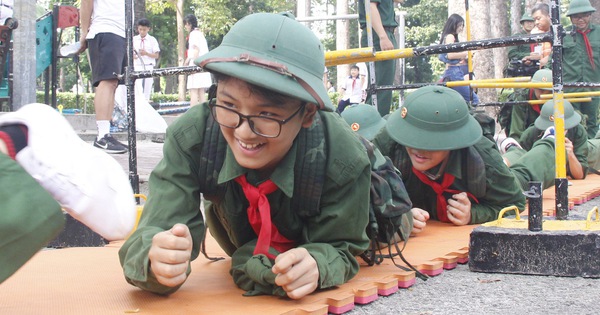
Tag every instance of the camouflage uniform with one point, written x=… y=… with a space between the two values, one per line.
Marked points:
x=175 y=198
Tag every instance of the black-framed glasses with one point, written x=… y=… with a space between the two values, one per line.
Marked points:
x=581 y=16
x=263 y=126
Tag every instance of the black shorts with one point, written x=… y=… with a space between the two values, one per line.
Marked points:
x=107 y=56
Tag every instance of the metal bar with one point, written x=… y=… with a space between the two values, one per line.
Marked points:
x=372 y=74
x=561 y=182
x=163 y=72
x=534 y=102
x=573 y=94
x=469 y=53
x=445 y=48
x=54 y=58
x=534 y=199
x=134 y=178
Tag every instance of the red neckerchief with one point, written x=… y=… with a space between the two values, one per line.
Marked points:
x=535 y=107
x=440 y=189
x=588 y=47
x=259 y=215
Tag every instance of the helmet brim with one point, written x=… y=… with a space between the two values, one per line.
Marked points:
x=433 y=140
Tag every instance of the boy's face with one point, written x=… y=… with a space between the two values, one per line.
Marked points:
x=251 y=150
x=423 y=160
x=143 y=30
x=581 y=20
x=354 y=72
x=528 y=26
x=539 y=92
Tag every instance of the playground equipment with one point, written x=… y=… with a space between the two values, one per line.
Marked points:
x=5 y=56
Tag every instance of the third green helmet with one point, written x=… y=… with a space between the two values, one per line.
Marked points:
x=364 y=119
x=580 y=6
x=546 y=118
x=542 y=76
x=526 y=17
x=434 y=118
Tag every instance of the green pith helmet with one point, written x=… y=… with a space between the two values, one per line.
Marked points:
x=542 y=76
x=526 y=17
x=546 y=118
x=275 y=52
x=434 y=118
x=364 y=119
x=580 y=6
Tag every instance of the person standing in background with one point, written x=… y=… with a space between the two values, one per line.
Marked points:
x=146 y=51
x=581 y=58
x=456 y=62
x=523 y=52
x=383 y=23
x=541 y=16
x=197 y=83
x=103 y=32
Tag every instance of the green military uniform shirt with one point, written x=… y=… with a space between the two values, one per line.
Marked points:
x=333 y=237
x=385 y=70
x=502 y=190
x=519 y=52
x=577 y=135
x=522 y=116
x=577 y=68
x=30 y=217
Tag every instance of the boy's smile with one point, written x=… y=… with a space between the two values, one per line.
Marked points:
x=251 y=150
x=423 y=160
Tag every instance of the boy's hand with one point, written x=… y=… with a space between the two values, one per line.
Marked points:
x=420 y=218
x=569 y=146
x=170 y=255
x=459 y=209
x=297 y=273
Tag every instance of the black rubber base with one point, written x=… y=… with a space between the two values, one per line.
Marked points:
x=550 y=253
x=76 y=234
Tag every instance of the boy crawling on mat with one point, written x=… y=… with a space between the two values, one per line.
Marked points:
x=452 y=173
x=250 y=151
x=44 y=166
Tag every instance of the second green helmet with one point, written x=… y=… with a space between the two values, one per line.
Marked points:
x=434 y=118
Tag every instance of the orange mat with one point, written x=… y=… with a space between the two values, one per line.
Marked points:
x=90 y=280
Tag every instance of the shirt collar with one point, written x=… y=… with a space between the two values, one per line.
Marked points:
x=454 y=165
x=283 y=176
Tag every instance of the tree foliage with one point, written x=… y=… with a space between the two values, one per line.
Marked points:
x=424 y=23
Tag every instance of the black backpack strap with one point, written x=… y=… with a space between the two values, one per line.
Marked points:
x=310 y=169
x=476 y=180
x=212 y=157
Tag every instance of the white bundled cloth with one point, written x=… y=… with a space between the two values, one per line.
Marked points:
x=147 y=119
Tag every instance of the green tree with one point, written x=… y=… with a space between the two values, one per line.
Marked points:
x=424 y=24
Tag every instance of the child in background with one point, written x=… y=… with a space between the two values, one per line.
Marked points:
x=146 y=51
x=351 y=90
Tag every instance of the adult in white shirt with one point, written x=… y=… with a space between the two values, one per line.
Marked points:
x=103 y=32
x=146 y=51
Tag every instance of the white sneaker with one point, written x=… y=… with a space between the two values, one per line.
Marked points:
x=507 y=144
x=549 y=133
x=89 y=184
